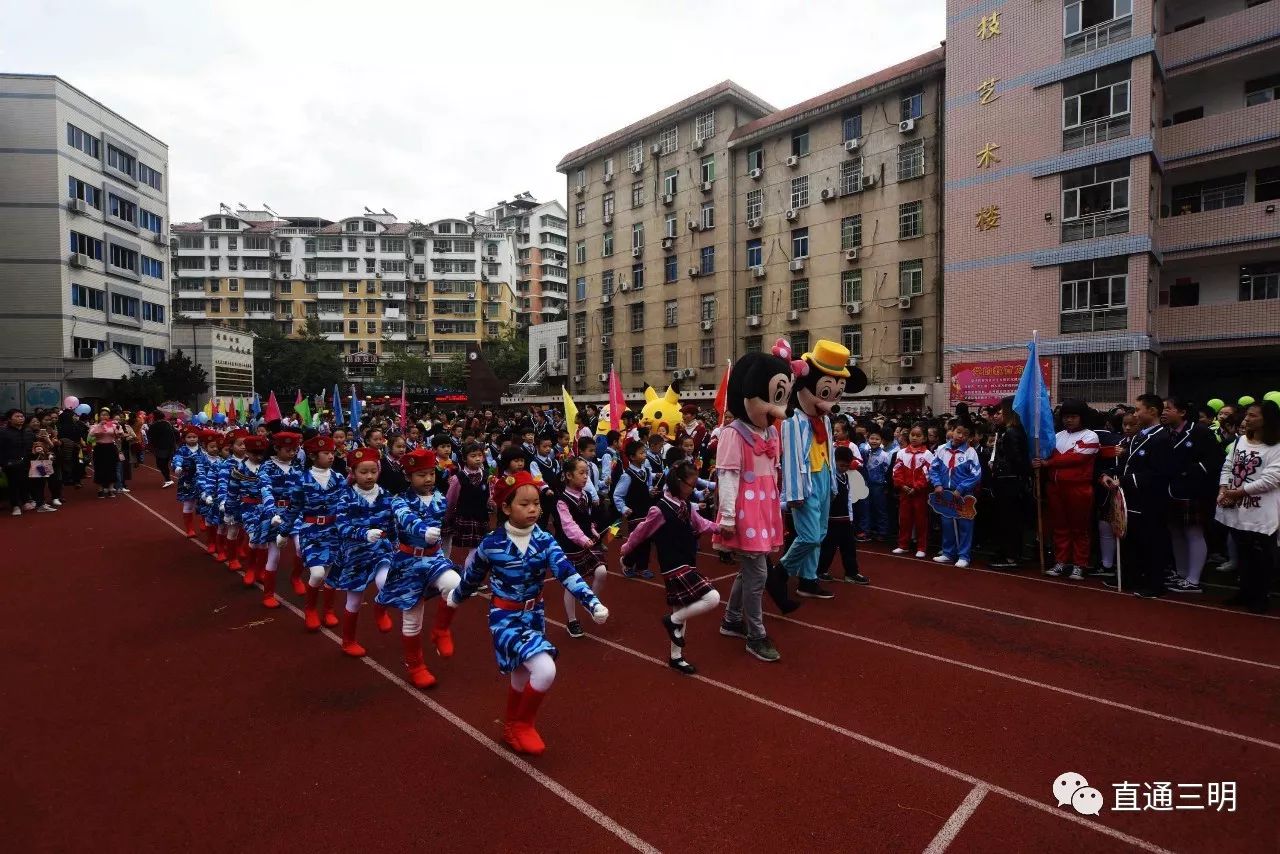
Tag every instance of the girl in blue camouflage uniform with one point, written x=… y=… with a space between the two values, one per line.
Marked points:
x=518 y=556
x=317 y=496
x=208 y=470
x=233 y=542
x=419 y=566
x=280 y=476
x=366 y=528
x=244 y=493
x=185 y=464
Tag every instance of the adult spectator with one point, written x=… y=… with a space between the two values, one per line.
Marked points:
x=1144 y=471
x=15 y=448
x=164 y=441
x=108 y=452
x=1010 y=466
x=1197 y=466
x=1249 y=501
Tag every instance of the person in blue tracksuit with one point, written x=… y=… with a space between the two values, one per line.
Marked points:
x=876 y=463
x=316 y=496
x=956 y=469
x=366 y=530
x=280 y=477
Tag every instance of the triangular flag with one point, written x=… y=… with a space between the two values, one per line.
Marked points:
x=337 y=406
x=616 y=403
x=272 y=412
x=570 y=412
x=722 y=393
x=404 y=401
x=232 y=412
x=302 y=408
x=255 y=406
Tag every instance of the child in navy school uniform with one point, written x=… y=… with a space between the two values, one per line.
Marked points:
x=840 y=534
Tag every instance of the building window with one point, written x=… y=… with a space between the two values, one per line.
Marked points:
x=637 y=194
x=122 y=210
x=1262 y=90
x=800 y=295
x=606 y=247
x=800 y=142
x=152 y=312
x=637 y=359
x=123 y=259
x=606 y=204
x=635 y=154
x=851 y=176
x=153 y=178
x=800 y=342
x=1092 y=376
x=707 y=352
x=1088 y=25
x=669 y=140
x=579 y=214
x=233 y=305
x=84 y=141
x=608 y=167
x=851 y=286
x=709 y=308
x=606 y=282
x=911 y=160
x=851 y=232
x=670 y=180
x=708 y=215
x=120 y=161
x=124 y=306
x=1215 y=194
x=669 y=225
x=851 y=338
x=910 y=216
x=87 y=297
x=912 y=337
x=579 y=180
x=131 y=352
x=1260 y=281
x=1095 y=107
x=580 y=363
x=580 y=288
x=153 y=222
x=755 y=253
x=800 y=243
x=1266 y=184
x=851 y=124
x=87 y=347
x=637 y=277
x=670 y=357
x=637 y=235
x=87 y=193
x=1095 y=201
x=755 y=301
x=755 y=204
x=704 y=126
x=707 y=260
x=606 y=320
x=670 y=267
x=670 y=312
x=707 y=168
x=755 y=157
x=753 y=343
x=800 y=192
x=152 y=356
x=580 y=325
x=912 y=101
x=911 y=278
x=580 y=251
x=152 y=267
x=1094 y=295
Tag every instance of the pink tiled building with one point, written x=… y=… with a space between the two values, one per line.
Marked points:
x=1112 y=181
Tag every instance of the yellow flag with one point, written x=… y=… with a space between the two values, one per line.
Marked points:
x=208 y=408
x=570 y=412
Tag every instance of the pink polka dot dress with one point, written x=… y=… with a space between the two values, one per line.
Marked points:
x=758 y=526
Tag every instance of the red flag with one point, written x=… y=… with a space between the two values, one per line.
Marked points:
x=722 y=393
x=616 y=403
x=272 y=412
x=232 y=415
x=404 y=400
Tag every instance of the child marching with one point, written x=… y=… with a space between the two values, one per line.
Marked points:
x=280 y=477
x=576 y=534
x=317 y=496
x=366 y=524
x=186 y=463
x=244 y=493
x=209 y=469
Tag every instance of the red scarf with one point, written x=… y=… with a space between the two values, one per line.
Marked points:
x=819 y=428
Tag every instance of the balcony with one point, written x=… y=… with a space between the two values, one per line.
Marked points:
x=1218 y=231
x=334 y=293
x=1098 y=36
x=1098 y=225
x=1100 y=320
x=330 y=313
x=259 y=315
x=1220 y=132
x=191 y=293
x=1217 y=325
x=1219 y=37
x=257 y=290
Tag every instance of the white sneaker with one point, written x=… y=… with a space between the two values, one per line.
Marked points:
x=1077 y=573
x=123 y=489
x=898 y=552
x=962 y=564
x=57 y=502
x=942 y=559
x=920 y=554
x=166 y=484
x=1056 y=570
x=17 y=511
x=30 y=505
x=1227 y=567
x=45 y=508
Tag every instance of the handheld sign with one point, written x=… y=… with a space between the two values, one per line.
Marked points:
x=949 y=507
x=858 y=486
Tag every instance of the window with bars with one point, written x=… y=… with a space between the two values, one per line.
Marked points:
x=912 y=103
x=851 y=124
x=708 y=308
x=910 y=219
x=911 y=278
x=580 y=325
x=851 y=286
x=670 y=313
x=851 y=338
x=707 y=352
x=755 y=204
x=851 y=232
x=635 y=154
x=1095 y=107
x=669 y=140
x=606 y=204
x=1095 y=295
x=670 y=356
x=800 y=343
x=911 y=160
x=912 y=337
x=704 y=126
x=1095 y=201
x=637 y=359
x=752 y=343
x=800 y=295
x=580 y=363
x=1094 y=377
x=606 y=320
x=851 y=176
x=755 y=301
x=800 y=192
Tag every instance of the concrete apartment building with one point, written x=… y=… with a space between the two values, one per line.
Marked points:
x=651 y=246
x=1112 y=176
x=837 y=230
x=84 y=209
x=226 y=354
x=542 y=259
x=368 y=281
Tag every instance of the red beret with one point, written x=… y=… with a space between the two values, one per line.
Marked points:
x=508 y=484
x=257 y=444
x=287 y=440
x=317 y=444
x=363 y=455
x=207 y=436
x=191 y=430
x=418 y=460
x=238 y=433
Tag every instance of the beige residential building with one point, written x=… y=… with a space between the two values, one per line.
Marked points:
x=651 y=245
x=542 y=247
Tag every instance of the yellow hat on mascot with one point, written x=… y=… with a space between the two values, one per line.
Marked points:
x=830 y=358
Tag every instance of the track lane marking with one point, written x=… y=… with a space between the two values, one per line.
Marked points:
x=957 y=820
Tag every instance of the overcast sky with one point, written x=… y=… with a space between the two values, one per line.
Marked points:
x=428 y=109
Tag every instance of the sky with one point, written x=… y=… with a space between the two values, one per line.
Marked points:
x=428 y=109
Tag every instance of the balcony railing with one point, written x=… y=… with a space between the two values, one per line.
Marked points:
x=1100 y=320
x=1218 y=132
x=1217 y=229
x=1100 y=131
x=1098 y=36
x=1205 y=40
x=1099 y=225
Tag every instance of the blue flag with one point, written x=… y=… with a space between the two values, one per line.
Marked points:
x=1033 y=407
x=255 y=406
x=337 y=406
x=356 y=409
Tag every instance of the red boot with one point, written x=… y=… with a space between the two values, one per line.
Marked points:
x=251 y=565
x=382 y=618
x=296 y=576
x=233 y=554
x=189 y=519
x=419 y=675
x=440 y=634
x=330 y=619
x=349 y=645
x=269 y=599
x=309 y=609
x=220 y=548
x=509 y=720
x=210 y=540
x=525 y=735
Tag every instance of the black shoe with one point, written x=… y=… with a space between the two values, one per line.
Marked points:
x=1148 y=594
x=763 y=649
x=857 y=578
x=1102 y=572
x=825 y=576
x=1003 y=563
x=673 y=631
x=683 y=666
x=1113 y=583
x=575 y=629
x=810 y=589
x=733 y=630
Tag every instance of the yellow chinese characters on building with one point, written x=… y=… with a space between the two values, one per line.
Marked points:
x=987 y=156
x=989 y=26
x=987 y=90
x=989 y=218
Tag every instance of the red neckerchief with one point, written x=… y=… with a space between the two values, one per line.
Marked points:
x=819 y=428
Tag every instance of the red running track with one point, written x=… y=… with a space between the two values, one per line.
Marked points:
x=155 y=704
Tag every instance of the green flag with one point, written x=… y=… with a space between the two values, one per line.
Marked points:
x=303 y=410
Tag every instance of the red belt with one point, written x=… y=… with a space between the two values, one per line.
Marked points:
x=282 y=503
x=508 y=605
x=247 y=500
x=418 y=551
x=318 y=520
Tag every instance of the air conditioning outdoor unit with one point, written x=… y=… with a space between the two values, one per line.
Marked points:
x=637 y=169
x=852 y=145
x=677 y=374
x=755 y=174
x=694 y=272
x=604 y=377
x=904 y=302
x=77 y=206
x=577 y=378
x=907 y=126
x=694 y=225
x=706 y=186
x=868 y=181
x=699 y=144
x=793 y=315
x=624 y=286
x=690 y=373
x=753 y=224
x=757 y=272
x=791 y=213
x=796 y=266
x=706 y=325
x=578 y=190
x=635 y=251
x=608 y=177
x=668 y=199
x=579 y=341
x=605 y=299
x=421 y=277
x=655 y=149
x=854 y=307
x=604 y=340
x=908 y=361
x=80 y=260
x=793 y=161
x=851 y=254
x=753 y=321
x=667 y=242
x=827 y=195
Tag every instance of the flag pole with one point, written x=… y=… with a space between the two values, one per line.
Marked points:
x=1035 y=472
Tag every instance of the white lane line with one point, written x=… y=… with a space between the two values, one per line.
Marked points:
x=977 y=668
x=889 y=748
x=595 y=815
x=951 y=829
x=1075 y=628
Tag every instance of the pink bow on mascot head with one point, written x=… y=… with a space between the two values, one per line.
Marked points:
x=760 y=385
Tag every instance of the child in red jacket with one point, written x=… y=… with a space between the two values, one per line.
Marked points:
x=911 y=480
x=1071 y=491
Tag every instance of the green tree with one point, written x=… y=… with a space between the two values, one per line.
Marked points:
x=284 y=365
x=180 y=378
x=399 y=365
x=137 y=391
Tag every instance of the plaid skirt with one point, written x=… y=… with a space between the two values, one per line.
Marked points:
x=467 y=533
x=586 y=560
x=1183 y=512
x=685 y=585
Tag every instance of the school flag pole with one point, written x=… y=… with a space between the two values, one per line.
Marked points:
x=1032 y=405
x=1036 y=473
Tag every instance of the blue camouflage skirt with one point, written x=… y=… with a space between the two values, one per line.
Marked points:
x=518 y=636
x=412 y=579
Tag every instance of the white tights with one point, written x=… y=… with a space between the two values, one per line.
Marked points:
x=539 y=671
x=411 y=620
x=318 y=574
x=189 y=506
x=354 y=598
x=598 y=575
x=1189 y=550
x=1106 y=544
x=680 y=616
x=273 y=556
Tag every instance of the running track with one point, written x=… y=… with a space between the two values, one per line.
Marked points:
x=153 y=705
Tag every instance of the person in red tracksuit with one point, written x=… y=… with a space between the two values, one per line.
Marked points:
x=911 y=480
x=1071 y=491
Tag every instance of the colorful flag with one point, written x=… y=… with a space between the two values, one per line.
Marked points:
x=255 y=406
x=570 y=412
x=272 y=412
x=337 y=406
x=616 y=402
x=722 y=393
x=1032 y=405
x=232 y=412
x=404 y=402
x=302 y=408
x=208 y=408
x=357 y=410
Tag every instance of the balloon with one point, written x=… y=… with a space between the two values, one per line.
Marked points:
x=1247 y=401
x=1216 y=404
x=1273 y=396
x=200 y=418
x=71 y=402
x=219 y=418
x=83 y=409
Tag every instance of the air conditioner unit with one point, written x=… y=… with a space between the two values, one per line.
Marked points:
x=793 y=161
x=706 y=186
x=677 y=374
x=77 y=206
x=827 y=195
x=604 y=340
x=421 y=277
x=904 y=302
x=854 y=307
x=579 y=341
x=471 y=295
x=690 y=373
x=694 y=272
x=637 y=169
x=655 y=149
x=791 y=213
x=753 y=321
x=868 y=181
x=635 y=252
x=706 y=325
x=694 y=225
x=608 y=220
x=80 y=260
x=667 y=242
x=578 y=190
x=908 y=361
x=793 y=315
x=668 y=199
x=577 y=378
x=604 y=376
x=699 y=144
x=158 y=239
x=753 y=224
x=608 y=177
x=377 y=275
x=606 y=298
x=907 y=126
x=624 y=286
x=796 y=266
x=757 y=272
x=851 y=254
x=852 y=145
x=755 y=174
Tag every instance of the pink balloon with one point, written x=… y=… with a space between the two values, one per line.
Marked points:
x=71 y=402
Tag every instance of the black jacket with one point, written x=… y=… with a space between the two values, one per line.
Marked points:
x=162 y=438
x=1145 y=469
x=1197 y=463
x=15 y=445
x=1010 y=456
